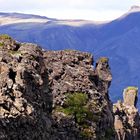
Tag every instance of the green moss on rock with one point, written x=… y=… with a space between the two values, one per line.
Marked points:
x=132 y=88
x=103 y=60
x=135 y=89
x=75 y=105
x=5 y=36
x=1 y=44
x=76 y=99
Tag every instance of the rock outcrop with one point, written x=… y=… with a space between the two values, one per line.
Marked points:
x=24 y=99
x=56 y=95
x=127 y=119
x=59 y=95
x=72 y=78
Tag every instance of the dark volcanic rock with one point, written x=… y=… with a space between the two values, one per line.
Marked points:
x=24 y=101
x=71 y=75
x=69 y=71
x=59 y=95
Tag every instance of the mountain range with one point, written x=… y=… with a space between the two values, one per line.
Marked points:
x=119 y=40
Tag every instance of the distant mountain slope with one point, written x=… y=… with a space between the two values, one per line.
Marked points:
x=119 y=40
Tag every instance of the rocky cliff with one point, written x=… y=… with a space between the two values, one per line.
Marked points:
x=55 y=95
x=81 y=106
x=24 y=100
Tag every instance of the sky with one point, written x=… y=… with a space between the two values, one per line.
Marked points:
x=97 y=10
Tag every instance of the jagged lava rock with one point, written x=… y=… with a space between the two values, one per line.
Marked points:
x=71 y=75
x=23 y=103
x=55 y=95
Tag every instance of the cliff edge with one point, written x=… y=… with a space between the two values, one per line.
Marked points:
x=55 y=95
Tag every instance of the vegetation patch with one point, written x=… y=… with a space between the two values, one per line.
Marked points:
x=5 y=36
x=15 y=53
x=103 y=60
x=76 y=105
x=1 y=44
x=132 y=88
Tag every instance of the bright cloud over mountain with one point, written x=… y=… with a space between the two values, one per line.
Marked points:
x=70 y=9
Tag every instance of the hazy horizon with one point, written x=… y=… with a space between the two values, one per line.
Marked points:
x=97 y=10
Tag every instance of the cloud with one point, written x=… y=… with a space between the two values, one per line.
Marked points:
x=86 y=9
x=44 y=4
x=83 y=14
